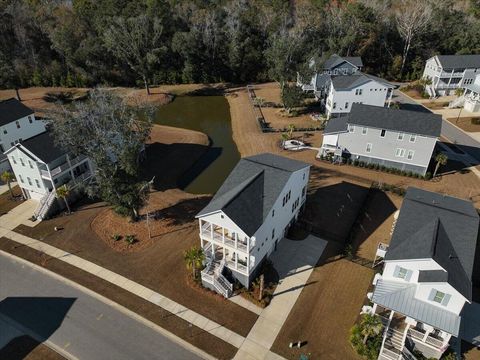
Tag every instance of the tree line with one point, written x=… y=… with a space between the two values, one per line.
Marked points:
x=140 y=42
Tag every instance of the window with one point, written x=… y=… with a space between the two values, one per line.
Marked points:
x=273 y=212
x=14 y=161
x=401 y=273
x=383 y=132
x=20 y=177
x=29 y=181
x=37 y=182
x=273 y=233
x=21 y=162
x=410 y=154
x=18 y=124
x=364 y=131
x=438 y=296
x=369 y=147
x=358 y=92
x=304 y=191
x=334 y=105
x=30 y=120
x=400 y=152
x=346 y=105
x=413 y=138
x=400 y=136
x=351 y=128
x=30 y=163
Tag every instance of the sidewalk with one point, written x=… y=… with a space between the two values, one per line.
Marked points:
x=169 y=305
x=294 y=261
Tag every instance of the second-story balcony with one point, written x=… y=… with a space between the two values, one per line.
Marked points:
x=55 y=171
x=226 y=237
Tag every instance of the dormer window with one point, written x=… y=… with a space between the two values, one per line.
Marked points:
x=402 y=273
x=30 y=120
x=438 y=297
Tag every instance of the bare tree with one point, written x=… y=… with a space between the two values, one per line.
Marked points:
x=412 y=18
x=137 y=42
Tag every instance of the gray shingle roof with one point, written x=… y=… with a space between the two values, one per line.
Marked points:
x=438 y=227
x=336 y=60
x=414 y=122
x=400 y=297
x=321 y=80
x=336 y=125
x=459 y=61
x=344 y=82
x=44 y=147
x=251 y=189
x=432 y=276
x=11 y=110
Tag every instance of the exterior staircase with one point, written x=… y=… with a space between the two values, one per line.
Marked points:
x=45 y=205
x=212 y=274
x=458 y=102
x=393 y=345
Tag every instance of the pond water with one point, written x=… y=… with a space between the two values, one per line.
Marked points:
x=210 y=115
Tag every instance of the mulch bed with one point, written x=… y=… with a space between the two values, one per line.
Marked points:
x=159 y=316
x=7 y=203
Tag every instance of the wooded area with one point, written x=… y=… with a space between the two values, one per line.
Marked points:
x=140 y=42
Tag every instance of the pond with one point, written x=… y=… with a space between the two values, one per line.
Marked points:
x=210 y=115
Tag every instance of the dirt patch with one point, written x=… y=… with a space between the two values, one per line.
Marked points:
x=436 y=105
x=316 y=320
x=24 y=347
x=7 y=203
x=465 y=123
x=154 y=313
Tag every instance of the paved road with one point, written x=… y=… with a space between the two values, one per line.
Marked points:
x=462 y=140
x=84 y=326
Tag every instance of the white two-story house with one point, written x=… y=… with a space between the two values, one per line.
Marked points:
x=17 y=123
x=335 y=65
x=449 y=72
x=345 y=90
x=388 y=137
x=250 y=213
x=40 y=167
x=427 y=274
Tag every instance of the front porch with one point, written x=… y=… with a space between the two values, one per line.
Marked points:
x=233 y=260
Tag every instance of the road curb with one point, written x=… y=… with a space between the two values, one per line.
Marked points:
x=113 y=304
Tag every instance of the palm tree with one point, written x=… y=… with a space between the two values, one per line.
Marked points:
x=194 y=258
x=8 y=177
x=441 y=159
x=371 y=326
x=291 y=129
x=63 y=192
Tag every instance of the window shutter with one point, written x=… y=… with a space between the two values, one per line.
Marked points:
x=432 y=294
x=409 y=275
x=446 y=299
x=396 y=271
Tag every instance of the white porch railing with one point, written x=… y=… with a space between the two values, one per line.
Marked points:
x=44 y=206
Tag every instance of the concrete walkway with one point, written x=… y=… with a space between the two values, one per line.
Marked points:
x=294 y=261
x=21 y=214
x=169 y=305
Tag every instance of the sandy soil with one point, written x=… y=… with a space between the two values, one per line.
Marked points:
x=316 y=318
x=7 y=203
x=465 y=123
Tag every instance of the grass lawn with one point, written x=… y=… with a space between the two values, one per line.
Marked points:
x=6 y=201
x=24 y=347
x=326 y=310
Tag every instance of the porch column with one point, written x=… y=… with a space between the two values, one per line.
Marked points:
x=223 y=235
x=201 y=242
x=451 y=75
x=236 y=260
x=374 y=308
x=391 y=315
x=236 y=241
x=211 y=231
x=248 y=262
x=248 y=244
x=390 y=98
x=427 y=332
x=213 y=250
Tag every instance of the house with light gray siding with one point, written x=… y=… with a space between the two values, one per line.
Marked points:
x=450 y=72
x=248 y=216
x=393 y=138
x=426 y=282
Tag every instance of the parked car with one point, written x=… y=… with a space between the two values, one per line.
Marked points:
x=293 y=145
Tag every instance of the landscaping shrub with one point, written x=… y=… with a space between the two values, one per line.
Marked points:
x=130 y=239
x=371 y=349
x=116 y=237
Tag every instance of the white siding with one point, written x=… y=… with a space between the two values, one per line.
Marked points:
x=14 y=134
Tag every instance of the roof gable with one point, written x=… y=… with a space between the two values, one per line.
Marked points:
x=251 y=189
x=12 y=110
